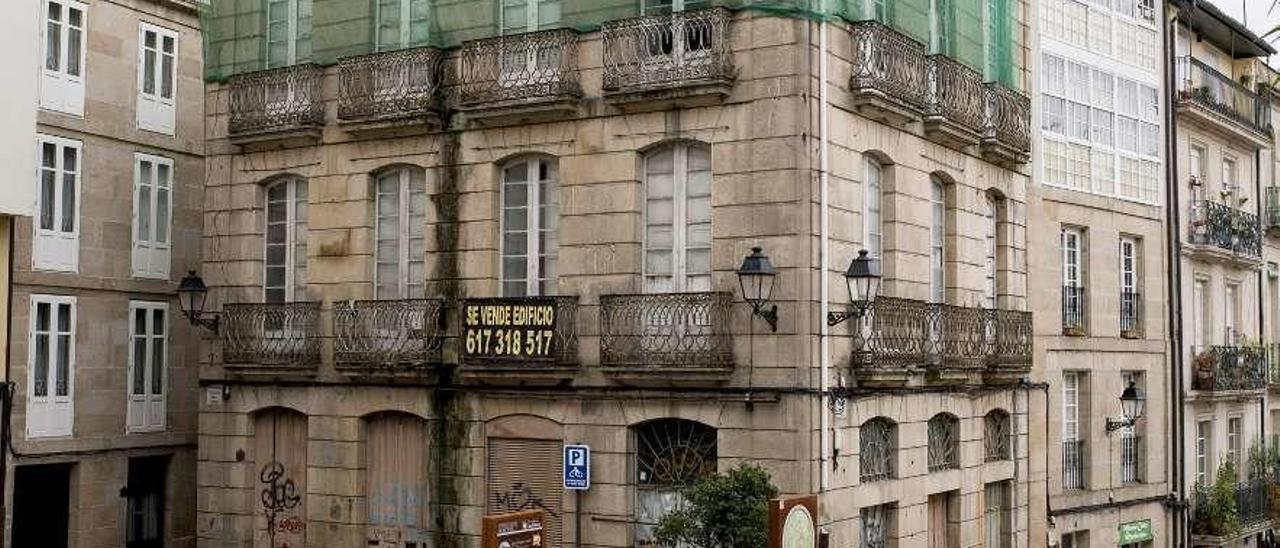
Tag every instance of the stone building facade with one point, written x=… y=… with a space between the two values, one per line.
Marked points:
x=356 y=214
x=103 y=416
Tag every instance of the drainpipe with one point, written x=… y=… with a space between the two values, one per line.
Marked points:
x=828 y=432
x=6 y=389
x=1177 y=439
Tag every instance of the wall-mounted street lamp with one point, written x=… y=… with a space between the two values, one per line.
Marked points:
x=756 y=277
x=1131 y=403
x=192 y=294
x=863 y=282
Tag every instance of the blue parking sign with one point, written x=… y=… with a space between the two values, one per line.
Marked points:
x=577 y=467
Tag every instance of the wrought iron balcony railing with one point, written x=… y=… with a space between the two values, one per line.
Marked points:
x=279 y=99
x=1074 y=463
x=1272 y=220
x=888 y=65
x=1075 y=311
x=899 y=333
x=1272 y=351
x=1220 y=225
x=388 y=85
x=519 y=69
x=655 y=52
x=1220 y=368
x=271 y=334
x=1130 y=458
x=564 y=341
x=1130 y=314
x=388 y=335
x=956 y=94
x=1253 y=501
x=1201 y=84
x=666 y=330
x=1007 y=122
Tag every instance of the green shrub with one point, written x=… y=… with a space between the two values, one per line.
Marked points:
x=722 y=511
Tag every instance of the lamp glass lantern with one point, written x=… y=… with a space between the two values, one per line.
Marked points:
x=756 y=276
x=1132 y=402
x=863 y=280
x=192 y=294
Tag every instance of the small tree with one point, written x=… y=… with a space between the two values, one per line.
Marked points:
x=722 y=511
x=1215 y=505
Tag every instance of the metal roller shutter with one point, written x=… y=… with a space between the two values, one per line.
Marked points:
x=524 y=474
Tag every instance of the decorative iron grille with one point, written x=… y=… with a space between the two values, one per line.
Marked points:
x=520 y=68
x=878 y=446
x=666 y=51
x=390 y=84
x=1130 y=455
x=944 y=442
x=888 y=64
x=1201 y=84
x=1220 y=225
x=564 y=346
x=877 y=525
x=1230 y=368
x=1073 y=464
x=1075 y=313
x=1130 y=314
x=666 y=330
x=388 y=334
x=1253 y=501
x=276 y=99
x=997 y=434
x=267 y=334
x=897 y=333
x=1008 y=118
x=1273 y=207
x=955 y=93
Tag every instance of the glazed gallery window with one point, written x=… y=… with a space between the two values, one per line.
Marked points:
x=62 y=75
x=677 y=246
x=285 y=277
x=148 y=356
x=152 y=207
x=671 y=454
x=157 y=57
x=288 y=32
x=401 y=246
x=402 y=23
x=871 y=207
x=51 y=371
x=530 y=219
x=57 y=229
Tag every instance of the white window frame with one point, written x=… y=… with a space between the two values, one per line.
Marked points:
x=147 y=411
x=1199 y=314
x=937 y=241
x=991 y=288
x=60 y=90
x=54 y=248
x=292 y=33
x=51 y=415
x=532 y=15
x=156 y=112
x=1071 y=381
x=1235 y=431
x=1073 y=257
x=676 y=5
x=1204 y=451
x=295 y=238
x=1128 y=264
x=1230 y=312
x=405 y=33
x=535 y=225
x=151 y=254
x=407 y=287
x=873 y=208
x=680 y=275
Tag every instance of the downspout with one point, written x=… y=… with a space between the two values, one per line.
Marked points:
x=828 y=433
x=7 y=389
x=1173 y=285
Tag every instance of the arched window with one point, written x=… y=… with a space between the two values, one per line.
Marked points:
x=990 y=225
x=279 y=478
x=878 y=447
x=285 y=277
x=677 y=240
x=937 y=240
x=997 y=430
x=530 y=214
x=671 y=454
x=944 y=442
x=401 y=244
x=871 y=207
x=396 y=481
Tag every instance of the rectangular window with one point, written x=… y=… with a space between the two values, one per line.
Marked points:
x=1077 y=539
x=406 y=23
x=62 y=75
x=157 y=62
x=1202 y=324
x=285 y=276
x=1230 y=178
x=1071 y=405
x=1073 y=444
x=937 y=243
x=1196 y=164
x=145 y=493
x=1130 y=297
x=1100 y=32
x=148 y=359
x=51 y=374
x=529 y=15
x=152 y=207
x=1130 y=441
x=677 y=251
x=1074 y=296
x=401 y=241
x=1204 y=452
x=57 y=226
x=288 y=32
x=1231 y=314
x=1233 y=445
x=998 y=516
x=871 y=207
x=944 y=520
x=878 y=526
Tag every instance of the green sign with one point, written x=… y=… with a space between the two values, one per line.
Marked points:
x=1135 y=531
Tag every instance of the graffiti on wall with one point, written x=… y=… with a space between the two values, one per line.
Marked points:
x=521 y=497
x=279 y=496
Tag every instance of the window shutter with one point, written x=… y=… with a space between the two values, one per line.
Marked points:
x=524 y=474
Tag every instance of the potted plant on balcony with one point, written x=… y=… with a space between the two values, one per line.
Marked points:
x=1202 y=366
x=1215 y=513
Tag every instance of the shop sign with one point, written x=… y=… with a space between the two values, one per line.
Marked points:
x=1135 y=531
x=517 y=530
x=793 y=522
x=509 y=329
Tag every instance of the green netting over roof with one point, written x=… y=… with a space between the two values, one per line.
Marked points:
x=236 y=31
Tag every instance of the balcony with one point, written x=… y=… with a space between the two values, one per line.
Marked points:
x=1250 y=505
x=388 y=337
x=1075 y=311
x=1130 y=315
x=522 y=76
x=554 y=354
x=1074 y=465
x=1271 y=221
x=1006 y=134
x=900 y=335
x=677 y=59
x=1224 y=233
x=1215 y=99
x=657 y=336
x=387 y=91
x=955 y=109
x=271 y=336
x=890 y=79
x=272 y=104
x=1229 y=368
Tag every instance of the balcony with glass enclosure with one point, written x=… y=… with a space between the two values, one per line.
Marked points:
x=664 y=336
x=1214 y=99
x=532 y=75
x=681 y=58
x=276 y=104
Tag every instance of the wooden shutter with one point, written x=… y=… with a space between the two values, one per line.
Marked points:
x=280 y=479
x=397 y=482
x=524 y=474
